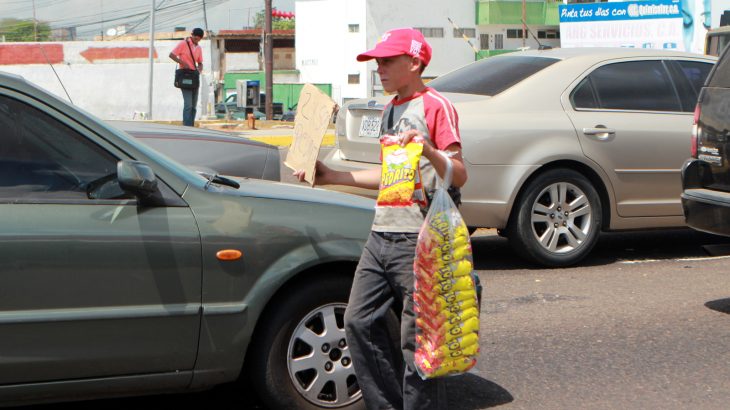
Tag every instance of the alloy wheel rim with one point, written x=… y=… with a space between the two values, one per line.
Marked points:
x=319 y=360
x=561 y=218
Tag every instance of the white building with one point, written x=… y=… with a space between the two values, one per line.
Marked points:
x=110 y=79
x=331 y=33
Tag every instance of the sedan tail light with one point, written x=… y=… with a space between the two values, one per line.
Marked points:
x=695 y=132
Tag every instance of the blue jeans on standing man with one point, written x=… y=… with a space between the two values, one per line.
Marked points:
x=384 y=280
x=190 y=101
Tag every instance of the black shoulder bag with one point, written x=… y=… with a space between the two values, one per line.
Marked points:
x=187 y=79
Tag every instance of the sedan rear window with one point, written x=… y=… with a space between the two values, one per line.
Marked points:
x=490 y=76
x=633 y=85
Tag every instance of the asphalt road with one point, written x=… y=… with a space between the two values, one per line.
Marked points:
x=644 y=322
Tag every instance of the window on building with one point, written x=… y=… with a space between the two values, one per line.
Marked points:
x=353 y=78
x=353 y=28
x=431 y=31
x=498 y=41
x=469 y=32
x=515 y=33
x=484 y=41
x=548 y=34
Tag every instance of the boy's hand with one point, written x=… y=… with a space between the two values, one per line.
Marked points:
x=406 y=137
x=321 y=175
x=299 y=175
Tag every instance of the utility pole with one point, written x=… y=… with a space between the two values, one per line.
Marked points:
x=152 y=60
x=205 y=18
x=524 y=23
x=35 y=24
x=268 y=61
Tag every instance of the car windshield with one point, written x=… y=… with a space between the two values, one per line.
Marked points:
x=491 y=76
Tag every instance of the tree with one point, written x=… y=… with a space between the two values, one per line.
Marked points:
x=22 y=30
x=277 y=23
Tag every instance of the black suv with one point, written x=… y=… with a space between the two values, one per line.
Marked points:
x=706 y=176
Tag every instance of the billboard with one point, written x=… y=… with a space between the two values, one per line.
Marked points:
x=635 y=24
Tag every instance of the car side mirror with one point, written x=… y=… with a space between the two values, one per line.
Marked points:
x=136 y=177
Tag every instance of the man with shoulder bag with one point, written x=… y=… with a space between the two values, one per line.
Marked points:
x=189 y=57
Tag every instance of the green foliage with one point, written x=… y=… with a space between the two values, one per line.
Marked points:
x=282 y=24
x=22 y=30
x=276 y=22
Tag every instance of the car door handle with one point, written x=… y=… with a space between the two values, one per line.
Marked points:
x=602 y=133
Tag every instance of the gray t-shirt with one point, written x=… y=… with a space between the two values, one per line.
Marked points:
x=435 y=117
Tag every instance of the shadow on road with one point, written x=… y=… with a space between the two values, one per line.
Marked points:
x=475 y=392
x=223 y=397
x=720 y=305
x=494 y=252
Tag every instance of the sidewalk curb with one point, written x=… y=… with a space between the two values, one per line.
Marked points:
x=285 y=140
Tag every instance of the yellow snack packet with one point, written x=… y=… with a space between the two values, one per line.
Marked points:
x=467 y=346
x=427 y=274
x=444 y=368
x=442 y=322
x=401 y=172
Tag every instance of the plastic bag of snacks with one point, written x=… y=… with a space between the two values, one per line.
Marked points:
x=445 y=296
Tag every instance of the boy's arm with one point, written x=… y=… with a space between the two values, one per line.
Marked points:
x=439 y=162
x=459 y=176
x=366 y=178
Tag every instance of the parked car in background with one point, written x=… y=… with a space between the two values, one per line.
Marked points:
x=716 y=40
x=208 y=150
x=290 y=115
x=706 y=176
x=229 y=108
x=125 y=273
x=559 y=144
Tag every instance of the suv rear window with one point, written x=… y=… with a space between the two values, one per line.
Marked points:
x=490 y=76
x=720 y=76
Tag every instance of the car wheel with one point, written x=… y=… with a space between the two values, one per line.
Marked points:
x=302 y=359
x=557 y=219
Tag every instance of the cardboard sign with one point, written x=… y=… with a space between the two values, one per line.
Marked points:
x=314 y=112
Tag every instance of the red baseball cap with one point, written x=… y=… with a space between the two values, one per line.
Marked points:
x=397 y=42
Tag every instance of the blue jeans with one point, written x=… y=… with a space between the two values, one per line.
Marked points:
x=384 y=280
x=190 y=102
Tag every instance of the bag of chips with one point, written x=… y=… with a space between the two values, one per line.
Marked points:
x=445 y=294
x=401 y=175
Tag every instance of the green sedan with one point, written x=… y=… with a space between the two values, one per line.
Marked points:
x=124 y=272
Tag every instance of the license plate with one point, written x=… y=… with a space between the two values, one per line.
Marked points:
x=370 y=126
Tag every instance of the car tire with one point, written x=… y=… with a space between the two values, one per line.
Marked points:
x=313 y=310
x=556 y=219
